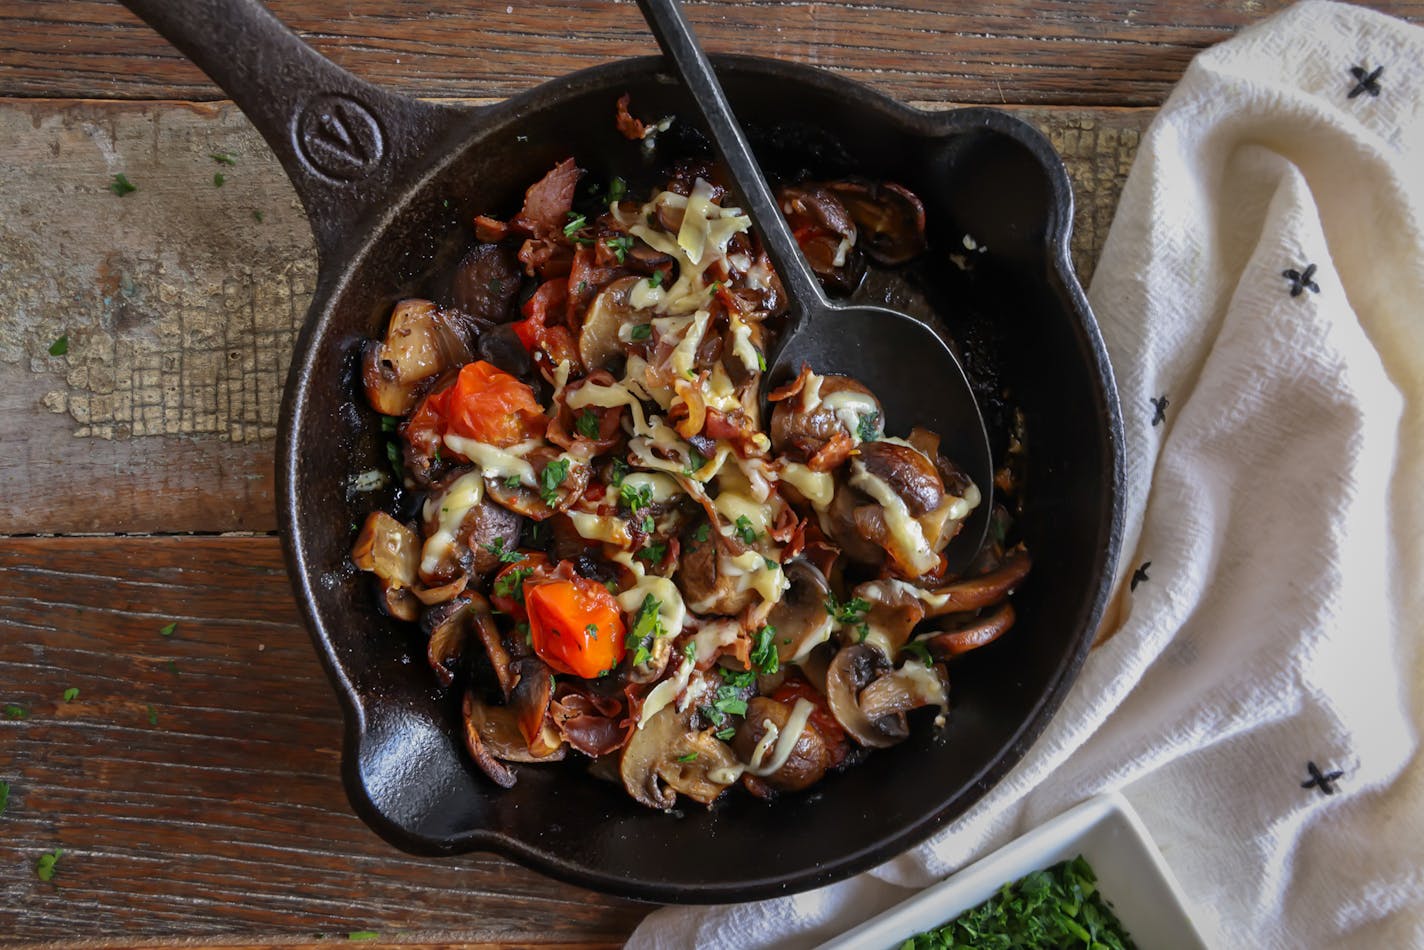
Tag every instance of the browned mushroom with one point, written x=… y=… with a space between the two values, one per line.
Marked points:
x=969 y=632
x=705 y=588
x=529 y=700
x=808 y=759
x=486 y=282
x=546 y=462
x=448 y=626
x=598 y=342
x=391 y=551
x=666 y=757
x=842 y=406
x=492 y=737
x=496 y=649
x=853 y=669
x=912 y=686
x=421 y=343
x=465 y=532
x=890 y=220
x=825 y=232
x=800 y=618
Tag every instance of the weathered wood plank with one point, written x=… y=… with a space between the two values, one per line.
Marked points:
x=193 y=783
x=180 y=307
x=1090 y=52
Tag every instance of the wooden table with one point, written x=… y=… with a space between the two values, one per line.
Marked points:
x=192 y=782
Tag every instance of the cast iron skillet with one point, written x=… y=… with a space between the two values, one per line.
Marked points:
x=390 y=186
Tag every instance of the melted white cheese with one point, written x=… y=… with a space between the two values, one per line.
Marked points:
x=906 y=532
x=455 y=503
x=849 y=406
x=817 y=487
x=593 y=527
x=497 y=462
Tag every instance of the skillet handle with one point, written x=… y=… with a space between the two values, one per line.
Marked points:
x=347 y=145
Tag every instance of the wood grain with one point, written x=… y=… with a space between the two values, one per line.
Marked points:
x=226 y=815
x=180 y=308
x=1088 y=52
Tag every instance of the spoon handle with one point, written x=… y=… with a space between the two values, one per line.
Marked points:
x=680 y=45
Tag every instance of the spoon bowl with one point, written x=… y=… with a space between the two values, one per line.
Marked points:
x=906 y=364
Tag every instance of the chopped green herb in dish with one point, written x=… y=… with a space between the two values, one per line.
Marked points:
x=1058 y=908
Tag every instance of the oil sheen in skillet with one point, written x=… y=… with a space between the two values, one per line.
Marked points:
x=613 y=557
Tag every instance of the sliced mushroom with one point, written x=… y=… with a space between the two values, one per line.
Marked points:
x=665 y=757
x=984 y=590
x=486 y=282
x=970 y=633
x=492 y=737
x=448 y=627
x=889 y=218
x=462 y=538
x=530 y=503
x=809 y=757
x=391 y=551
x=909 y=474
x=420 y=343
x=840 y=524
x=800 y=618
x=910 y=687
x=825 y=232
x=704 y=587
x=598 y=343
x=804 y=436
x=853 y=669
x=482 y=618
x=529 y=700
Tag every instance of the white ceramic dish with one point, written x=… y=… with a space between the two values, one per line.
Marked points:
x=1131 y=875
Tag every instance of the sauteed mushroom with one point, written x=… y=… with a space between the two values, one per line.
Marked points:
x=599 y=344
x=420 y=343
x=492 y=738
x=561 y=480
x=823 y=433
x=391 y=551
x=809 y=757
x=800 y=618
x=665 y=757
x=486 y=283
x=889 y=219
x=448 y=626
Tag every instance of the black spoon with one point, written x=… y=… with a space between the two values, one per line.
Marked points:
x=905 y=363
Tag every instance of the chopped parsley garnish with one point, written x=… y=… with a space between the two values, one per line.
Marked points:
x=512 y=583
x=576 y=221
x=716 y=286
x=587 y=424
x=218 y=179
x=647 y=627
x=71 y=694
x=690 y=757
x=764 y=655
x=635 y=498
x=59 y=347
x=653 y=553
x=524 y=630
x=868 y=428
x=851 y=613
x=222 y=158
x=592 y=631
x=551 y=478
x=167 y=631
x=689 y=650
x=761 y=361
x=656 y=280
x=703 y=532
x=393 y=456
x=44 y=867
x=581 y=287
x=15 y=712
x=725 y=734
x=736 y=679
x=770 y=564
x=695 y=460
x=640 y=332
x=919 y=651
x=388 y=423
x=121 y=185
x=617 y=188
x=4 y=796
x=1056 y=907
x=745 y=531
x=498 y=550
x=618 y=471
x=620 y=246
x=257 y=215
x=728 y=700
x=511 y=482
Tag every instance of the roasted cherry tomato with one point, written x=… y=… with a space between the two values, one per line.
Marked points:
x=489 y=405
x=576 y=625
x=507 y=591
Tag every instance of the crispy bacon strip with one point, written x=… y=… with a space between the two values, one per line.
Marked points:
x=632 y=129
x=548 y=200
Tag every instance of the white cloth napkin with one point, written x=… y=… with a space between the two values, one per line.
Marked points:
x=1269 y=612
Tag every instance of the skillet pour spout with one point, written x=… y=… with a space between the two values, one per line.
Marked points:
x=391 y=186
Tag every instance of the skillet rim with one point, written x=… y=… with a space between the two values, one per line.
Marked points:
x=336 y=275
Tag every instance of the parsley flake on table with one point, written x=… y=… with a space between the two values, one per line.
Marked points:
x=44 y=867
x=168 y=630
x=121 y=185
x=71 y=694
x=15 y=712
x=152 y=716
x=4 y=796
x=222 y=158
x=218 y=179
x=60 y=346
x=256 y=215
